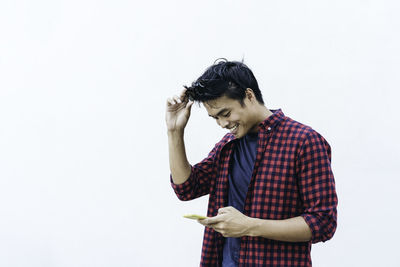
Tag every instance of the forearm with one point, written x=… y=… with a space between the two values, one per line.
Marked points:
x=179 y=165
x=289 y=230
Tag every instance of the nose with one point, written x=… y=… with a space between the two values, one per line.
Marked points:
x=222 y=123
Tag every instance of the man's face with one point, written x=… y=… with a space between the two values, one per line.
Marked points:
x=229 y=114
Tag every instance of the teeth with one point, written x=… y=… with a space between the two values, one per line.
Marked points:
x=233 y=128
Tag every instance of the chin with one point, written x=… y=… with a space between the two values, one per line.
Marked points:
x=238 y=135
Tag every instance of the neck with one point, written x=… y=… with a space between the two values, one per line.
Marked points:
x=262 y=114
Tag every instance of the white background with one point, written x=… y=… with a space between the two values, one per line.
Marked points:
x=84 y=175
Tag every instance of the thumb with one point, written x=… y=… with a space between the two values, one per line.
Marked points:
x=189 y=106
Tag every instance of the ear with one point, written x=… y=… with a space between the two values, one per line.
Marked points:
x=250 y=94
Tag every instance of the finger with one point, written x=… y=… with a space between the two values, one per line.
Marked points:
x=189 y=105
x=212 y=220
x=221 y=228
x=183 y=94
x=170 y=102
x=177 y=99
x=224 y=210
x=218 y=226
x=218 y=229
x=206 y=223
x=202 y=222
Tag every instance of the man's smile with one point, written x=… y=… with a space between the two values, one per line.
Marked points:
x=233 y=128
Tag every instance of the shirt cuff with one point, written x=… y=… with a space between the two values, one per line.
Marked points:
x=185 y=188
x=322 y=229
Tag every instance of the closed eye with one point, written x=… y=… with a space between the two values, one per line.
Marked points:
x=223 y=113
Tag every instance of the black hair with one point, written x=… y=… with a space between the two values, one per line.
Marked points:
x=224 y=78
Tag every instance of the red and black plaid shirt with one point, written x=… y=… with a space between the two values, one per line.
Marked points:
x=292 y=177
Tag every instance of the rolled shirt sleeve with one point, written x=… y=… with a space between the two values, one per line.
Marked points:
x=317 y=187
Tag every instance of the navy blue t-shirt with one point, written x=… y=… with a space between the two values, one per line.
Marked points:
x=241 y=169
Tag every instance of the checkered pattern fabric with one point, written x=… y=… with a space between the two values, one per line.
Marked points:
x=292 y=177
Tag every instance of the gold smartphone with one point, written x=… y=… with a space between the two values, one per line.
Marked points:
x=194 y=217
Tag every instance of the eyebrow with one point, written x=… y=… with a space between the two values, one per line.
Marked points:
x=219 y=113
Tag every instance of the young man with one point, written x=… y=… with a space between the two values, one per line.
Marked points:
x=272 y=191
